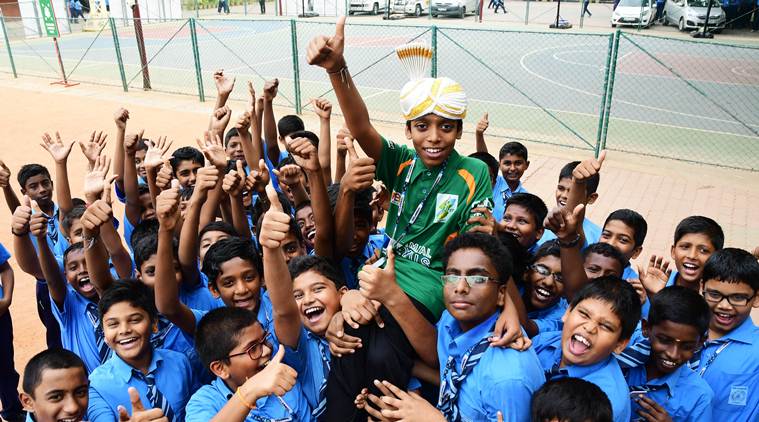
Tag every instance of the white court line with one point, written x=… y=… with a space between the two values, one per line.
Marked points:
x=556 y=56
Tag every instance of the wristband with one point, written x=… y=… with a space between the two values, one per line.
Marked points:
x=571 y=243
x=343 y=72
x=243 y=401
x=19 y=235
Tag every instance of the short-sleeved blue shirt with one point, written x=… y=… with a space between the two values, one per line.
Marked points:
x=77 y=329
x=549 y=319
x=501 y=193
x=684 y=395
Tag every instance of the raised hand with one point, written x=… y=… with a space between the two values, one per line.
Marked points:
x=224 y=84
x=155 y=153
x=99 y=212
x=130 y=142
x=564 y=222
x=234 y=180
x=252 y=102
x=270 y=89
x=167 y=207
x=360 y=173
x=379 y=283
x=588 y=168
x=483 y=124
x=243 y=122
x=165 y=175
x=213 y=149
x=289 y=174
x=139 y=413
x=304 y=153
x=656 y=276
x=206 y=180
x=275 y=379
x=120 y=116
x=483 y=219
x=327 y=51
x=220 y=120
x=639 y=288
x=93 y=180
x=21 y=216
x=5 y=175
x=322 y=108
x=94 y=147
x=56 y=148
x=407 y=407
x=38 y=221
x=258 y=179
x=276 y=224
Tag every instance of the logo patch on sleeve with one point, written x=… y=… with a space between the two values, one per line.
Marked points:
x=738 y=395
x=445 y=206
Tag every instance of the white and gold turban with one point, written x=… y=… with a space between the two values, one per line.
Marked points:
x=441 y=96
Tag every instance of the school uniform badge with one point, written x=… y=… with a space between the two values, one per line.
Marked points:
x=738 y=395
x=445 y=206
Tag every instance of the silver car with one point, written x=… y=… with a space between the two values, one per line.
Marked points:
x=691 y=14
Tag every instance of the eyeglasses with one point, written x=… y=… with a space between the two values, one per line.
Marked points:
x=735 y=300
x=471 y=280
x=545 y=272
x=256 y=350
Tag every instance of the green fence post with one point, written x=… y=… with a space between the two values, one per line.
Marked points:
x=609 y=92
x=434 y=52
x=245 y=7
x=197 y=12
x=296 y=68
x=602 y=109
x=527 y=12
x=196 y=56
x=117 y=49
x=8 y=45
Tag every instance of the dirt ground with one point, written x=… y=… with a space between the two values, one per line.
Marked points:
x=664 y=191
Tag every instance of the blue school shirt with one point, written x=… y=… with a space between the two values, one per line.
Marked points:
x=606 y=374
x=501 y=193
x=672 y=279
x=629 y=273
x=307 y=361
x=4 y=257
x=733 y=373
x=549 y=319
x=351 y=266
x=198 y=296
x=128 y=229
x=121 y=195
x=110 y=381
x=211 y=398
x=504 y=379
x=77 y=330
x=58 y=244
x=683 y=394
x=592 y=234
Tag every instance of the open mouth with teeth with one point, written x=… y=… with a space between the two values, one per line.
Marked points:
x=85 y=285
x=579 y=344
x=543 y=296
x=724 y=319
x=311 y=234
x=128 y=343
x=691 y=270
x=434 y=153
x=314 y=313
x=72 y=419
x=667 y=364
x=245 y=303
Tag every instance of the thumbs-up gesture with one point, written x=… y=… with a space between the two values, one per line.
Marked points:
x=360 y=173
x=483 y=124
x=5 y=175
x=139 y=413
x=327 y=51
x=588 y=168
x=258 y=179
x=56 y=148
x=167 y=207
x=270 y=89
x=343 y=137
x=155 y=153
x=21 y=216
x=304 y=153
x=165 y=175
x=206 y=180
x=130 y=142
x=38 y=221
x=563 y=222
x=379 y=283
x=276 y=378
x=234 y=180
x=100 y=211
x=220 y=120
x=275 y=224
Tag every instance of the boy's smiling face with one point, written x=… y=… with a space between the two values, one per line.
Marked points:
x=187 y=172
x=672 y=344
x=239 y=368
x=520 y=222
x=597 y=265
x=77 y=275
x=39 y=188
x=304 y=217
x=470 y=306
x=234 y=149
x=513 y=167
x=61 y=395
x=361 y=230
x=591 y=333
x=725 y=316
x=618 y=234
x=127 y=331
x=139 y=162
x=318 y=300
x=690 y=254
x=238 y=284
x=433 y=138
x=75 y=232
x=545 y=290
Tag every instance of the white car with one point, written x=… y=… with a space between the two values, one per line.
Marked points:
x=458 y=8
x=411 y=7
x=691 y=14
x=375 y=7
x=634 y=13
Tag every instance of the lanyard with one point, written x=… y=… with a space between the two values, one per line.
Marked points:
x=418 y=210
x=713 y=357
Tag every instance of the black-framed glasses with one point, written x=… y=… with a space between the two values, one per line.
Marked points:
x=735 y=300
x=471 y=280
x=545 y=272
x=255 y=350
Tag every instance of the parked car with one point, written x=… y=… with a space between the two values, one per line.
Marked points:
x=691 y=14
x=374 y=7
x=453 y=7
x=412 y=7
x=634 y=12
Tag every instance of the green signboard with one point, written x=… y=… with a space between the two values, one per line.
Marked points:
x=48 y=18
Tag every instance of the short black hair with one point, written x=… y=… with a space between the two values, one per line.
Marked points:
x=608 y=251
x=219 y=226
x=698 y=224
x=289 y=124
x=633 y=220
x=143 y=229
x=513 y=148
x=549 y=248
x=228 y=249
x=618 y=293
x=499 y=256
x=304 y=204
x=186 y=154
x=318 y=264
x=143 y=189
x=311 y=136
x=147 y=247
x=570 y=400
x=488 y=159
x=27 y=171
x=131 y=291
x=219 y=332
x=361 y=201
x=532 y=203
x=49 y=359
x=71 y=248
x=73 y=215
x=591 y=184
x=732 y=265
x=142 y=144
x=681 y=305
x=520 y=257
x=231 y=133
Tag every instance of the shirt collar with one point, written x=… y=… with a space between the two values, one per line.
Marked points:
x=581 y=371
x=460 y=341
x=744 y=333
x=124 y=371
x=508 y=189
x=669 y=380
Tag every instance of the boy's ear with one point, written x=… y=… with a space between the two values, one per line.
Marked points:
x=636 y=252
x=460 y=130
x=214 y=290
x=502 y=294
x=756 y=300
x=341 y=291
x=672 y=252
x=621 y=345
x=27 y=401
x=23 y=191
x=539 y=233
x=219 y=369
x=154 y=326
x=526 y=164
x=592 y=198
x=408 y=131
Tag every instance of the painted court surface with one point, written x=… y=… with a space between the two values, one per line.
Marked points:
x=664 y=191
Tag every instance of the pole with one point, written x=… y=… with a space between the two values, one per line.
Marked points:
x=604 y=96
x=196 y=57
x=708 y=12
x=434 y=52
x=609 y=91
x=60 y=61
x=527 y=12
x=245 y=7
x=117 y=48
x=478 y=18
x=296 y=67
x=197 y=12
x=558 y=8
x=141 y=46
x=8 y=45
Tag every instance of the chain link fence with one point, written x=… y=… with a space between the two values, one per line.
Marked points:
x=674 y=98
